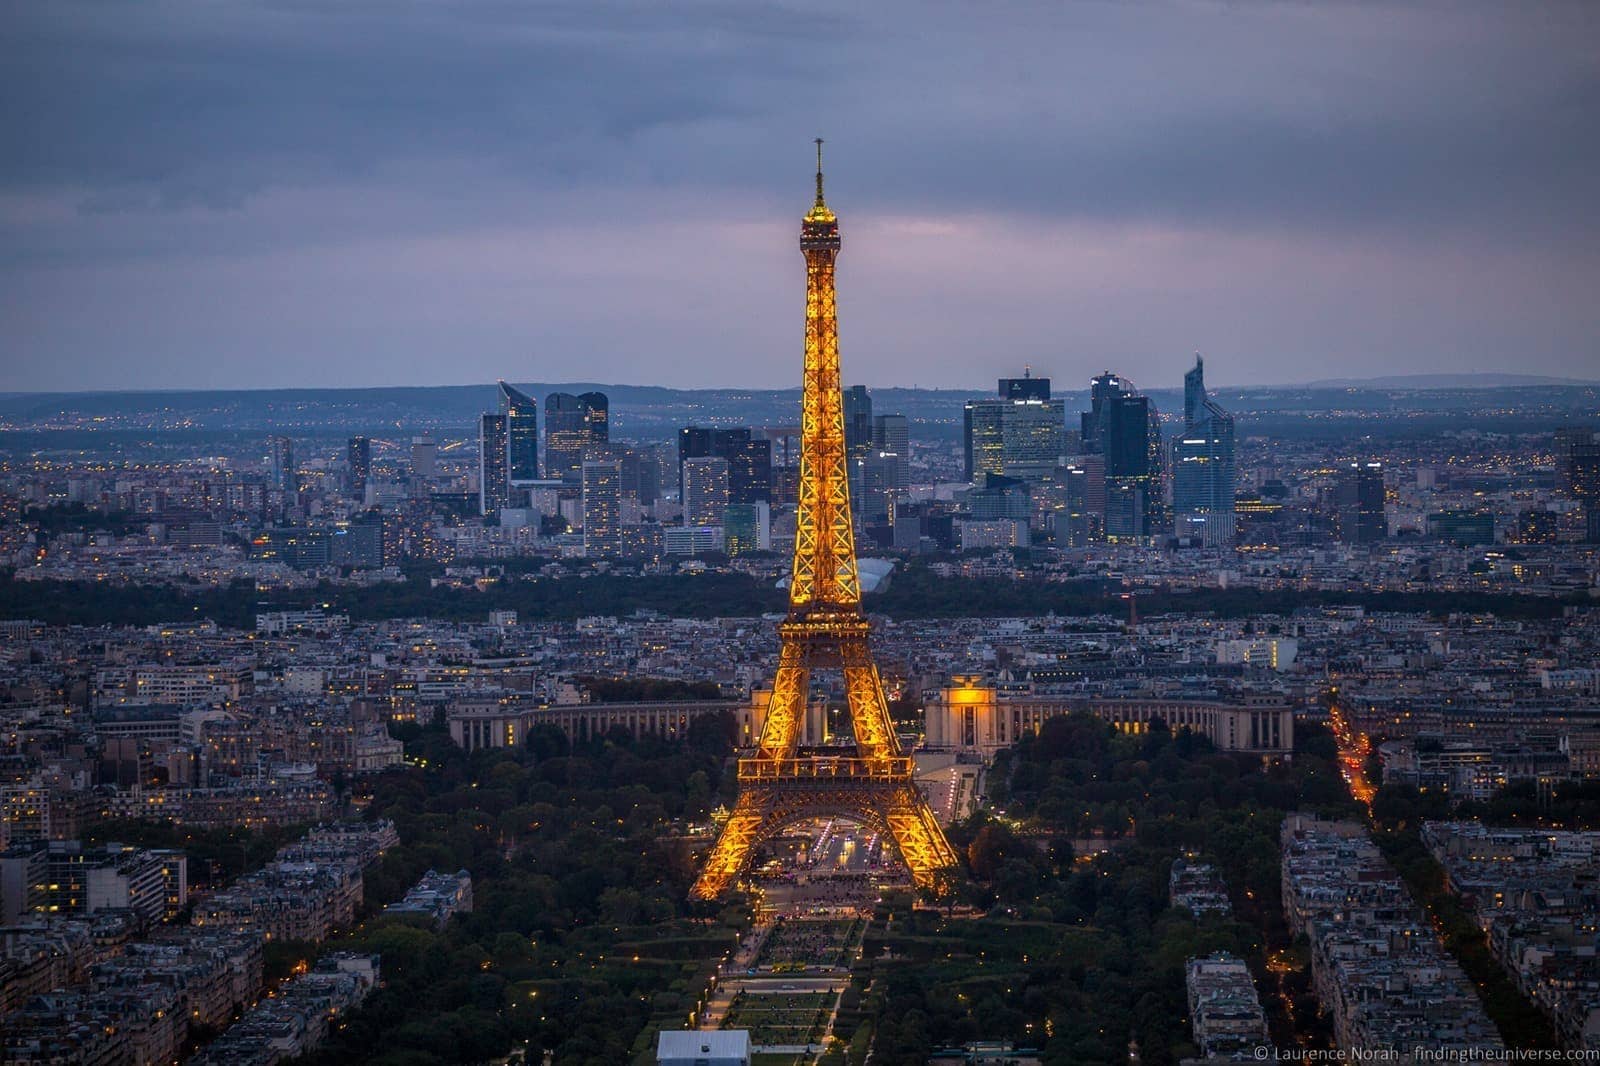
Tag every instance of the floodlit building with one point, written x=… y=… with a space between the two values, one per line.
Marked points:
x=970 y=715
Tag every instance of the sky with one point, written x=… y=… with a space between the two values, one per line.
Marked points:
x=216 y=194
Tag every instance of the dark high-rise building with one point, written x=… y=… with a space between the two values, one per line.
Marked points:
x=493 y=488
x=598 y=417
x=1462 y=528
x=748 y=527
x=284 y=476
x=1001 y=497
x=857 y=421
x=424 y=458
x=1102 y=390
x=1203 y=476
x=368 y=541
x=1358 y=504
x=857 y=441
x=891 y=437
x=572 y=425
x=1027 y=387
x=1019 y=434
x=1081 y=520
x=1578 y=463
x=1578 y=473
x=749 y=460
x=522 y=434
x=641 y=475
x=749 y=470
x=883 y=473
x=1123 y=428
x=359 y=454
x=694 y=442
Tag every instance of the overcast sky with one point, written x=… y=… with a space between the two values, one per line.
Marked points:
x=375 y=192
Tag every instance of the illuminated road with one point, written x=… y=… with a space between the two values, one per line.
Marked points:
x=1354 y=749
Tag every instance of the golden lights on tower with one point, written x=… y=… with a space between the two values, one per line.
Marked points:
x=825 y=629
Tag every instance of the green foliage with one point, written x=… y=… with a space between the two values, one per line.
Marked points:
x=216 y=856
x=581 y=937
x=708 y=595
x=916 y=592
x=647 y=689
x=1565 y=804
x=1079 y=954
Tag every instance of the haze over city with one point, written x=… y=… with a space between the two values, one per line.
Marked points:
x=219 y=196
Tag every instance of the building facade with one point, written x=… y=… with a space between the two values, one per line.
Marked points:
x=971 y=716
x=1203 y=467
x=493 y=486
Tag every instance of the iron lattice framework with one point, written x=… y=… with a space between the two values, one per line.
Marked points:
x=825 y=629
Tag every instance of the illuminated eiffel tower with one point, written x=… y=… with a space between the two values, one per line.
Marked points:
x=825 y=629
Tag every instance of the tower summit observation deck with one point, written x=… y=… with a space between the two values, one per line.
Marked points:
x=825 y=629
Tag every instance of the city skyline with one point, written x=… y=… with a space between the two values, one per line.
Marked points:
x=730 y=722
x=435 y=196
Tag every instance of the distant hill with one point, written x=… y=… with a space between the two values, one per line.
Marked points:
x=1447 y=381
x=1411 y=405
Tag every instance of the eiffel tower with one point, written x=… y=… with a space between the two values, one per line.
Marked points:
x=825 y=629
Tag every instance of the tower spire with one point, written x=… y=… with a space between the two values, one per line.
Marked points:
x=819 y=210
x=820 y=202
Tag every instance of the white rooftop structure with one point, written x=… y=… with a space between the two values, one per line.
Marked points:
x=724 y=1047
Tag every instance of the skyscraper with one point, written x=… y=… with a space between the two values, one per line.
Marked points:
x=1578 y=473
x=748 y=527
x=1358 y=504
x=1019 y=434
x=424 y=458
x=359 y=457
x=1102 y=390
x=891 y=439
x=857 y=421
x=572 y=424
x=705 y=491
x=749 y=466
x=1203 y=476
x=1124 y=429
x=1578 y=463
x=883 y=473
x=749 y=459
x=602 y=508
x=694 y=442
x=493 y=488
x=522 y=435
x=284 y=476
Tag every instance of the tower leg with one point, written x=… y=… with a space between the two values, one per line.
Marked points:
x=917 y=834
x=869 y=711
x=731 y=854
x=780 y=734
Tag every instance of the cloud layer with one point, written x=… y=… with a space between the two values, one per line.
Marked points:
x=195 y=193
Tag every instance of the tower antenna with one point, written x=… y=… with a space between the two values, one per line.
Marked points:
x=819 y=172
